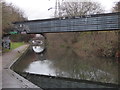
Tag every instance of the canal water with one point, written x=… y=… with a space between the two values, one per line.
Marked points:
x=68 y=64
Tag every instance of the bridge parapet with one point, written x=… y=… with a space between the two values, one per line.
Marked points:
x=97 y=22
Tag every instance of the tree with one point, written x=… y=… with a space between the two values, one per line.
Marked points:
x=10 y=14
x=69 y=9
x=116 y=8
x=79 y=8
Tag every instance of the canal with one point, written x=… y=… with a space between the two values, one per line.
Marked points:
x=64 y=61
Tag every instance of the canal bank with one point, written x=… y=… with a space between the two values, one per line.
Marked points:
x=10 y=79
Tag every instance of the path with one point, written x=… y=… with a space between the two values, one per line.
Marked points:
x=10 y=79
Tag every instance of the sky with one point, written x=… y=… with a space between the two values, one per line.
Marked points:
x=38 y=9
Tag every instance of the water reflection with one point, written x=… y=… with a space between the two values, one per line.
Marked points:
x=69 y=64
x=38 y=43
x=41 y=67
x=37 y=49
x=42 y=56
x=88 y=59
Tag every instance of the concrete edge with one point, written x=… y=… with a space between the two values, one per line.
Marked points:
x=15 y=60
x=27 y=83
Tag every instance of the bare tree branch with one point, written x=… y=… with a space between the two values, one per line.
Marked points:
x=80 y=8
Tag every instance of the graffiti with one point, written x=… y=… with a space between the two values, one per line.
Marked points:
x=6 y=42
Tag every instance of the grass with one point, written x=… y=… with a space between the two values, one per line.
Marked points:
x=14 y=45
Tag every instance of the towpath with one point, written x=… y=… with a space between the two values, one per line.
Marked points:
x=10 y=79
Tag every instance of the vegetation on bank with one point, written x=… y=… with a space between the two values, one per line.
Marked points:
x=86 y=44
x=16 y=45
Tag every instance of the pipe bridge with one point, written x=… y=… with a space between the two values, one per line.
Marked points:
x=96 y=22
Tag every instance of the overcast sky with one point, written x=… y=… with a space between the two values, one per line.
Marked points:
x=38 y=9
